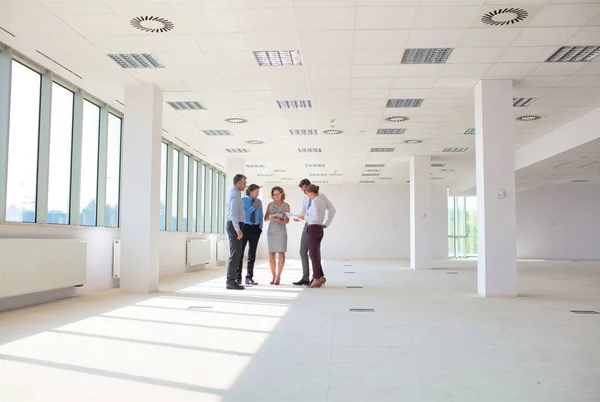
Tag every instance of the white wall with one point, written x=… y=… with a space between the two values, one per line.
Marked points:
x=372 y=222
x=560 y=222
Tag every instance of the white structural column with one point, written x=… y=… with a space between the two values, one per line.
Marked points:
x=234 y=166
x=140 y=189
x=495 y=161
x=421 y=254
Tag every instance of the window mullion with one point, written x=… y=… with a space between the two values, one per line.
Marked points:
x=43 y=170
x=201 y=202
x=190 y=203
x=180 y=193
x=102 y=162
x=169 y=203
x=5 y=73
x=77 y=146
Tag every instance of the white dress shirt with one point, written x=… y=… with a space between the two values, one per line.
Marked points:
x=316 y=213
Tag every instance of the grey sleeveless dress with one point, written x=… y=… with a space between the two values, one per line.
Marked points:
x=277 y=232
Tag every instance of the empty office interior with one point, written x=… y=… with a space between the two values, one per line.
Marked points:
x=458 y=141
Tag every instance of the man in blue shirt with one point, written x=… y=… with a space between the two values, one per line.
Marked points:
x=235 y=225
x=252 y=230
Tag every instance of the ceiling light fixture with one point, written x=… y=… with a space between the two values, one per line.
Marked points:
x=332 y=132
x=152 y=24
x=413 y=141
x=237 y=150
x=307 y=131
x=469 y=131
x=447 y=170
x=255 y=142
x=529 y=117
x=136 y=60
x=385 y=178
x=456 y=149
x=391 y=131
x=278 y=57
x=574 y=54
x=366 y=181
x=371 y=174
x=438 y=165
x=383 y=149
x=314 y=165
x=294 y=104
x=374 y=165
x=255 y=166
x=396 y=119
x=186 y=105
x=217 y=132
x=504 y=16
x=396 y=103
x=236 y=120
x=308 y=150
x=523 y=102
x=426 y=55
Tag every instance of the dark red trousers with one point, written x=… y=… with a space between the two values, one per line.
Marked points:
x=314 y=237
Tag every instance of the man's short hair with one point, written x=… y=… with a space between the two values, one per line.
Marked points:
x=304 y=182
x=251 y=188
x=238 y=178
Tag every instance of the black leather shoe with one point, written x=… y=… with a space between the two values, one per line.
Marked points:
x=235 y=286
x=302 y=282
x=251 y=282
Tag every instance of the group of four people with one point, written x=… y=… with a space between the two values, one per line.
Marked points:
x=245 y=217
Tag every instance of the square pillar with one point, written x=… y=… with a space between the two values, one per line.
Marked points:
x=140 y=188
x=234 y=166
x=421 y=254
x=495 y=171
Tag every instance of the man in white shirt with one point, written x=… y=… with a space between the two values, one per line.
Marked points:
x=236 y=216
x=306 y=203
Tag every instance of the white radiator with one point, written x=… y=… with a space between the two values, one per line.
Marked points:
x=117 y=259
x=37 y=265
x=222 y=251
x=198 y=252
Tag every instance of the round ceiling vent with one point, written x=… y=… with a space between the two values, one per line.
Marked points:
x=236 y=120
x=152 y=24
x=529 y=117
x=413 y=141
x=504 y=16
x=255 y=142
x=332 y=132
x=396 y=119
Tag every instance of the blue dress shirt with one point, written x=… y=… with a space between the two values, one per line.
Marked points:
x=258 y=212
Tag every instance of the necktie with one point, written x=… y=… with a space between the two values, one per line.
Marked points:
x=252 y=214
x=309 y=202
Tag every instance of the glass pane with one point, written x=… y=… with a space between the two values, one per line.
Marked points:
x=203 y=199
x=451 y=216
x=61 y=137
x=89 y=164
x=215 y=209
x=113 y=171
x=195 y=197
x=471 y=226
x=209 y=202
x=186 y=172
x=163 y=186
x=451 y=249
x=460 y=247
x=175 y=197
x=23 y=134
x=460 y=216
x=222 y=216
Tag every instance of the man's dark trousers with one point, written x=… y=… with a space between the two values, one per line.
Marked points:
x=236 y=252
x=251 y=236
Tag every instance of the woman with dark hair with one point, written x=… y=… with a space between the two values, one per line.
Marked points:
x=276 y=215
x=315 y=218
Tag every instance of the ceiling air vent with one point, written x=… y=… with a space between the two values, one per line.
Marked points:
x=529 y=117
x=371 y=174
x=413 y=141
x=332 y=132
x=318 y=174
x=217 y=132
x=374 y=165
x=404 y=103
x=136 y=60
x=367 y=181
x=255 y=166
x=391 y=131
x=152 y=24
x=574 y=54
x=294 y=104
x=308 y=131
x=383 y=149
x=255 y=142
x=456 y=149
x=438 y=165
x=278 y=57
x=504 y=16
x=265 y=174
x=238 y=150
x=523 y=102
x=396 y=119
x=309 y=150
x=426 y=55
x=314 y=165
x=469 y=131
x=186 y=105
x=236 y=120
x=385 y=178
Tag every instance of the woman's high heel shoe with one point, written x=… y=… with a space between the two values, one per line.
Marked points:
x=316 y=283
x=323 y=280
x=277 y=280
x=273 y=281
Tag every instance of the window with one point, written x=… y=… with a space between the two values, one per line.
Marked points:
x=195 y=197
x=222 y=217
x=175 y=197
x=209 y=199
x=186 y=176
x=61 y=138
x=23 y=135
x=203 y=199
x=89 y=164
x=163 y=186
x=113 y=171
x=215 y=205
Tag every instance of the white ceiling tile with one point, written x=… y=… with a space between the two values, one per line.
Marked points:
x=379 y=56
x=378 y=104
x=510 y=70
x=98 y=24
x=247 y=84
x=388 y=70
x=565 y=15
x=331 y=94
x=526 y=54
x=329 y=71
x=585 y=37
x=590 y=69
x=322 y=40
x=327 y=57
x=232 y=58
x=206 y=84
x=557 y=68
x=138 y=7
x=385 y=17
x=541 y=81
x=409 y=93
x=184 y=6
x=249 y=4
x=449 y=102
x=285 y=78
x=221 y=42
x=273 y=40
x=210 y=21
x=232 y=72
x=551 y=36
x=62 y=8
x=330 y=83
x=401 y=83
x=457 y=82
x=268 y=19
x=419 y=70
x=465 y=70
x=434 y=37
x=162 y=77
x=339 y=18
x=372 y=83
x=445 y=17
x=143 y=44
x=475 y=55
x=191 y=73
x=486 y=37
x=331 y=103
x=183 y=59
x=370 y=94
x=380 y=39
x=582 y=81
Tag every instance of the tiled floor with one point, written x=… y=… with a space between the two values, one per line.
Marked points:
x=430 y=339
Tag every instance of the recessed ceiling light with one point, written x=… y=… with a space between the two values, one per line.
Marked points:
x=504 y=16
x=306 y=150
x=436 y=178
x=575 y=54
x=426 y=55
x=273 y=182
x=469 y=131
x=314 y=165
x=367 y=181
x=136 y=60
x=278 y=57
x=413 y=141
x=447 y=170
x=152 y=24
x=383 y=149
x=236 y=120
x=217 y=132
x=404 y=103
x=320 y=181
x=438 y=165
x=255 y=166
x=279 y=170
x=287 y=178
x=332 y=132
x=375 y=165
x=255 y=142
x=385 y=178
x=238 y=150
x=372 y=170
x=294 y=104
x=318 y=174
x=391 y=131
x=523 y=102
x=396 y=119
x=528 y=117
x=186 y=105
x=371 y=174
x=308 y=131
x=264 y=174
x=579 y=181
x=456 y=149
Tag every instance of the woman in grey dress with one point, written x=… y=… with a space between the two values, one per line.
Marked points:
x=276 y=215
